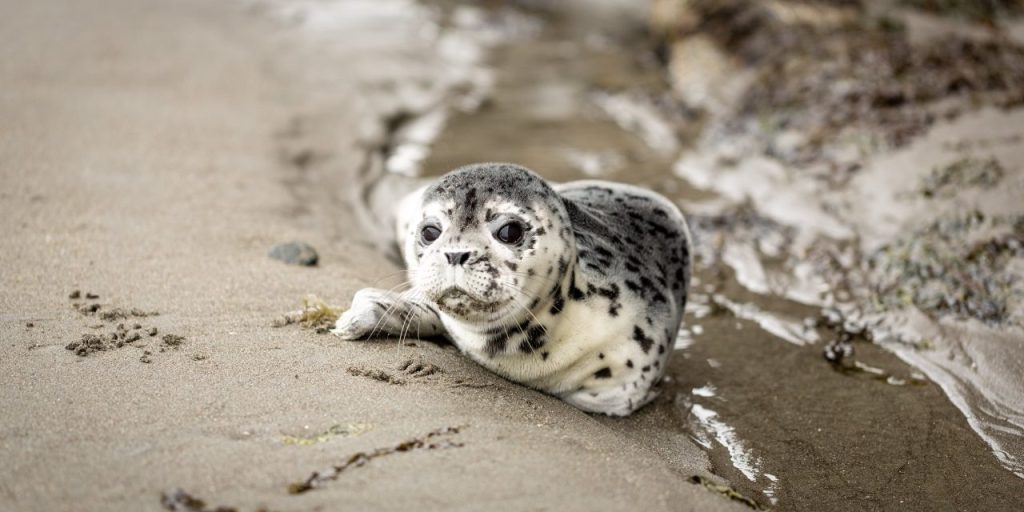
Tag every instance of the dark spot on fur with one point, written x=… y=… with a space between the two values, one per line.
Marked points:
x=534 y=339
x=496 y=344
x=633 y=287
x=603 y=373
x=640 y=337
x=611 y=293
x=575 y=293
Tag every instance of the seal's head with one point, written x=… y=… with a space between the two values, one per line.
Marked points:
x=491 y=242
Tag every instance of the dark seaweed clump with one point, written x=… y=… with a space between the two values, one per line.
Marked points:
x=967 y=172
x=979 y=10
x=940 y=273
x=847 y=69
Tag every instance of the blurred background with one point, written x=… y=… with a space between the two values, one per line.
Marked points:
x=853 y=172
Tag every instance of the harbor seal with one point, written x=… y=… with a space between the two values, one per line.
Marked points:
x=576 y=289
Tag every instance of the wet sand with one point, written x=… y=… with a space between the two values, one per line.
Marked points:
x=152 y=155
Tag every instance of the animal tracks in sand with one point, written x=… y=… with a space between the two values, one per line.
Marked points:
x=413 y=369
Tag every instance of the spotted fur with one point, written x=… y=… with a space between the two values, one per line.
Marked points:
x=586 y=306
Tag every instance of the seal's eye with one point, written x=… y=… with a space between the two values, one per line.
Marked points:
x=510 y=233
x=429 y=233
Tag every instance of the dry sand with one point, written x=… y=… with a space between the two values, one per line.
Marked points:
x=152 y=155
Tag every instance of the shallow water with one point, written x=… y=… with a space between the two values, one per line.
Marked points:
x=784 y=426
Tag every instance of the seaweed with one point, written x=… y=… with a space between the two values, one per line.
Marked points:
x=429 y=441
x=315 y=314
x=726 y=492
x=858 y=77
x=948 y=180
x=935 y=271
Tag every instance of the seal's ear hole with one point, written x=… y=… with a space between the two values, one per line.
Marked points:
x=429 y=233
x=509 y=233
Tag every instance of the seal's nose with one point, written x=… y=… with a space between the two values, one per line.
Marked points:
x=457 y=258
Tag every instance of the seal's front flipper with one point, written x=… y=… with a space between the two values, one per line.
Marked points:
x=380 y=313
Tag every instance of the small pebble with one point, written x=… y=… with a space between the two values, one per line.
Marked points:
x=295 y=253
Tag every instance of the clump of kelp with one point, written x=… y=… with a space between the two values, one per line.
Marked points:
x=315 y=314
x=956 y=265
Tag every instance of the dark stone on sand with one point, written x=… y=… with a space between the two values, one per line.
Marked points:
x=295 y=253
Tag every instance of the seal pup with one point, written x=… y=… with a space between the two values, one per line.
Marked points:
x=576 y=289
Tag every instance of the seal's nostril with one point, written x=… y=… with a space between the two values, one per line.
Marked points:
x=457 y=258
